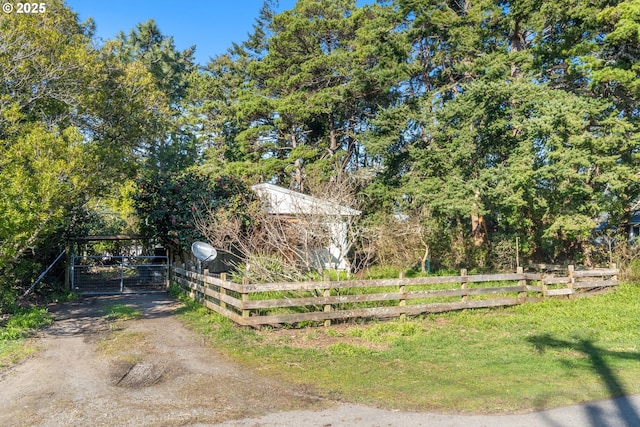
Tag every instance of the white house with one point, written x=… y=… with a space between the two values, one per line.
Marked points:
x=296 y=206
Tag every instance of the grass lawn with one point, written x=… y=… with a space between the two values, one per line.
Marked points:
x=14 y=331
x=508 y=360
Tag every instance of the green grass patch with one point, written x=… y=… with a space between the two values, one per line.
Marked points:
x=15 y=328
x=22 y=323
x=526 y=357
x=122 y=312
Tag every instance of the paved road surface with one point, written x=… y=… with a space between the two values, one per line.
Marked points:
x=622 y=412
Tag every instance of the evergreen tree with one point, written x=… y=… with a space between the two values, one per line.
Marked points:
x=315 y=75
x=170 y=144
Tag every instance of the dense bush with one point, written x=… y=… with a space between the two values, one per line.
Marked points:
x=168 y=205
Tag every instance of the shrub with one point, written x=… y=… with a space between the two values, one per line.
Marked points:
x=24 y=322
x=169 y=205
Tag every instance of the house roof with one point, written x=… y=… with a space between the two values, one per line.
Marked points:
x=283 y=201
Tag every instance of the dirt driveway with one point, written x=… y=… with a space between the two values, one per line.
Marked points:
x=93 y=371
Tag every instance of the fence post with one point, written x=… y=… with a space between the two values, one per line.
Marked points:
x=403 y=300
x=67 y=270
x=327 y=307
x=168 y=274
x=122 y=276
x=72 y=268
x=205 y=285
x=614 y=266
x=572 y=280
x=192 y=293
x=463 y=273
x=245 y=298
x=197 y=283
x=223 y=290
x=522 y=296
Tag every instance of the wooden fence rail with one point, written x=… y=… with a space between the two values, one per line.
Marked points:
x=288 y=303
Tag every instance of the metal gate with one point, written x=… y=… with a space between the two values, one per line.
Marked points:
x=94 y=275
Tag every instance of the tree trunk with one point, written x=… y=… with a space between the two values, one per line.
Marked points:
x=297 y=173
x=517 y=43
x=478 y=230
x=333 y=137
x=351 y=149
x=425 y=257
x=478 y=224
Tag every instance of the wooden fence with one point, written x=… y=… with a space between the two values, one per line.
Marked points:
x=290 y=303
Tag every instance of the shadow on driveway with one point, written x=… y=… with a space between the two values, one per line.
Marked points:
x=91 y=314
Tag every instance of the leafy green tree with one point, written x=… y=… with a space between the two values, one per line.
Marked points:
x=72 y=120
x=614 y=70
x=542 y=163
x=561 y=36
x=41 y=175
x=468 y=139
x=46 y=170
x=227 y=126
x=167 y=142
x=169 y=67
x=448 y=45
x=46 y=68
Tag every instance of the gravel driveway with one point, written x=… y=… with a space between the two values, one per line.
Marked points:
x=152 y=371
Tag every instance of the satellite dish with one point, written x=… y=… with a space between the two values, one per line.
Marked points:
x=203 y=251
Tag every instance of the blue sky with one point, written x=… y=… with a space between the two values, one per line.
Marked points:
x=211 y=25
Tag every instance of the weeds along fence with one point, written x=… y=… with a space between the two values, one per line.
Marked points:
x=324 y=301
